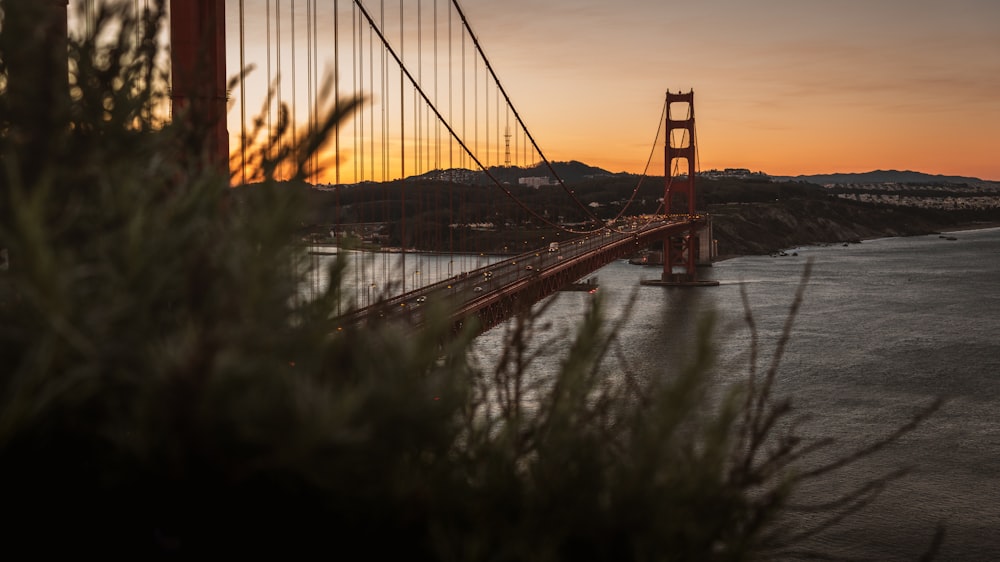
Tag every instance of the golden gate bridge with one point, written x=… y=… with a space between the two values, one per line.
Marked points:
x=422 y=164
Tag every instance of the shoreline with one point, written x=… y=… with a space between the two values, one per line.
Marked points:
x=325 y=249
x=972 y=226
x=969 y=227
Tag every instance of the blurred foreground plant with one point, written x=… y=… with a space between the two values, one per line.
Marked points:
x=165 y=392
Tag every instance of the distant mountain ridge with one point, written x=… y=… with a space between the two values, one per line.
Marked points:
x=575 y=171
x=571 y=171
x=887 y=176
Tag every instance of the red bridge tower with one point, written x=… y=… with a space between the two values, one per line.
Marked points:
x=198 y=74
x=680 y=253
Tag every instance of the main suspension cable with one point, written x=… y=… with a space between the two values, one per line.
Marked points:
x=406 y=75
x=524 y=127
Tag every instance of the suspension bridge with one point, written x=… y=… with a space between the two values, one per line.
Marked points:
x=430 y=186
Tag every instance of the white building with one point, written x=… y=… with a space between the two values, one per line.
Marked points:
x=535 y=181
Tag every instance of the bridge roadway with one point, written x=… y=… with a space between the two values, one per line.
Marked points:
x=498 y=291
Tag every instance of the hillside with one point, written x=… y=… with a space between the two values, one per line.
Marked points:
x=886 y=176
x=751 y=216
x=761 y=217
x=570 y=172
x=763 y=228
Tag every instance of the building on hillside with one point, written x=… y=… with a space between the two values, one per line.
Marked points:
x=535 y=181
x=739 y=173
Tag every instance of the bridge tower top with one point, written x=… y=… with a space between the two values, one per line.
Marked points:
x=679 y=146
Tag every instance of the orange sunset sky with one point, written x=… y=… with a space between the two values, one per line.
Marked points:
x=787 y=87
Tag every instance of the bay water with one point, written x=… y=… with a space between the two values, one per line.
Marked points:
x=886 y=327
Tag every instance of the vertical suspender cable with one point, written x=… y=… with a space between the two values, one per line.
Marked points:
x=486 y=115
x=359 y=66
x=365 y=154
x=486 y=122
x=277 y=56
x=384 y=89
x=315 y=71
x=336 y=126
x=310 y=130
x=371 y=113
x=355 y=81
x=354 y=85
x=336 y=94
x=437 y=129
x=371 y=266
x=437 y=145
x=419 y=148
x=464 y=98
x=506 y=129
x=267 y=44
x=291 y=40
x=417 y=120
x=385 y=143
x=309 y=85
x=475 y=101
x=500 y=159
x=243 y=97
x=462 y=193
x=402 y=151
x=140 y=28
x=451 y=153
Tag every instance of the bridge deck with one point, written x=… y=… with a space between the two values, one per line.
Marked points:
x=496 y=292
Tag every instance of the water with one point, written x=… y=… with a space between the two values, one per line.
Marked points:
x=886 y=326
x=364 y=281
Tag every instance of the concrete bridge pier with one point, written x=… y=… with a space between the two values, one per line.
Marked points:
x=682 y=256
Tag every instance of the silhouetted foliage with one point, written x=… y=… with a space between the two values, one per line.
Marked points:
x=167 y=391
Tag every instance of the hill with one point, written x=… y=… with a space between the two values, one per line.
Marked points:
x=761 y=217
x=763 y=228
x=570 y=172
x=886 y=176
x=750 y=216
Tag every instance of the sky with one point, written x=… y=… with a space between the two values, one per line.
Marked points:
x=786 y=87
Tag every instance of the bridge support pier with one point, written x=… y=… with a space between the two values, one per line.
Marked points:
x=682 y=255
